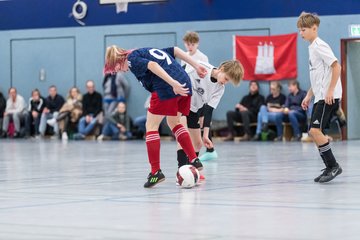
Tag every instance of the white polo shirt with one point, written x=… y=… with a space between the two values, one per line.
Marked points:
x=321 y=57
x=198 y=56
x=204 y=90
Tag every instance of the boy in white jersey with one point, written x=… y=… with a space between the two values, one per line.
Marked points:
x=207 y=93
x=191 y=42
x=326 y=87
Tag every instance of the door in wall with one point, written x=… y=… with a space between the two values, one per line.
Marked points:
x=42 y=62
x=351 y=84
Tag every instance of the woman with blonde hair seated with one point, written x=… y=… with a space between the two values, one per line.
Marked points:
x=70 y=112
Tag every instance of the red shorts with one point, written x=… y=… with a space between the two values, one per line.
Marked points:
x=169 y=107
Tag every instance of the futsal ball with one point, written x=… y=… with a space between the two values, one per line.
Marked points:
x=187 y=176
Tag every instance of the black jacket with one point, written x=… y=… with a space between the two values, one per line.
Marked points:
x=37 y=106
x=92 y=104
x=253 y=102
x=54 y=104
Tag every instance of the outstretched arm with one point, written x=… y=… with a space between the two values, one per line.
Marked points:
x=201 y=71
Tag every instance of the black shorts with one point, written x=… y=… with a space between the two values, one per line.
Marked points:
x=193 y=119
x=322 y=113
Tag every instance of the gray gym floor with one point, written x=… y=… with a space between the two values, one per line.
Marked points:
x=89 y=190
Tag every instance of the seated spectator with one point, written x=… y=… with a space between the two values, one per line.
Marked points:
x=116 y=89
x=2 y=110
x=293 y=111
x=35 y=108
x=245 y=112
x=92 y=112
x=271 y=112
x=15 y=111
x=117 y=126
x=70 y=112
x=53 y=103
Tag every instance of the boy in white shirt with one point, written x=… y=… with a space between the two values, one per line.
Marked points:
x=326 y=87
x=207 y=93
x=191 y=42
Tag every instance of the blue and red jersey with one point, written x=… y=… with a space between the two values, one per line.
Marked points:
x=138 y=65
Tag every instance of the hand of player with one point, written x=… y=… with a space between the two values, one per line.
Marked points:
x=208 y=143
x=180 y=89
x=329 y=98
x=305 y=103
x=201 y=71
x=46 y=110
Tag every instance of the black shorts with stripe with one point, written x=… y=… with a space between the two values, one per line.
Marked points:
x=193 y=119
x=322 y=114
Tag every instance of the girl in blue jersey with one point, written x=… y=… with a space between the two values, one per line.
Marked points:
x=170 y=87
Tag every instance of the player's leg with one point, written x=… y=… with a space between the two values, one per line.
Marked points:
x=182 y=158
x=320 y=117
x=153 y=149
x=183 y=138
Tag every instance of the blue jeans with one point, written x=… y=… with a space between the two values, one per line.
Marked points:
x=85 y=128
x=43 y=123
x=264 y=116
x=140 y=122
x=111 y=130
x=295 y=117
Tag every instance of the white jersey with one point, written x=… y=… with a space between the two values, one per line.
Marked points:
x=198 y=56
x=321 y=57
x=204 y=90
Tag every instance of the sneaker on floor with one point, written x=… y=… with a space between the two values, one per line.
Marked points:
x=324 y=172
x=100 y=138
x=278 y=139
x=245 y=137
x=154 y=179
x=331 y=174
x=257 y=137
x=64 y=136
x=207 y=156
x=79 y=136
x=51 y=122
x=197 y=164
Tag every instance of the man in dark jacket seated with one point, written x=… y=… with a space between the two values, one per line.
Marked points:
x=245 y=112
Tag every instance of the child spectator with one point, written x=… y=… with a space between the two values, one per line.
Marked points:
x=117 y=126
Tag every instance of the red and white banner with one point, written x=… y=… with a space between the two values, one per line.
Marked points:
x=267 y=57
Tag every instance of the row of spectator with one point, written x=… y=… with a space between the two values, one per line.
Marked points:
x=276 y=109
x=90 y=114
x=105 y=117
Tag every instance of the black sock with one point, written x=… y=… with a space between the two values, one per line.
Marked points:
x=327 y=155
x=182 y=158
x=210 y=149
x=324 y=160
x=197 y=153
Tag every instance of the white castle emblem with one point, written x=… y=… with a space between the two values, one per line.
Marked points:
x=265 y=59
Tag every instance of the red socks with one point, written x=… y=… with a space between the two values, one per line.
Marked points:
x=153 y=149
x=183 y=138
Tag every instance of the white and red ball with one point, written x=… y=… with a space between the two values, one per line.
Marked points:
x=187 y=176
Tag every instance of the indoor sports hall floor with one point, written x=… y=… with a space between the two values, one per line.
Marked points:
x=89 y=190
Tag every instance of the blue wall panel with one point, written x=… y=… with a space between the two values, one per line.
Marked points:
x=56 y=56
